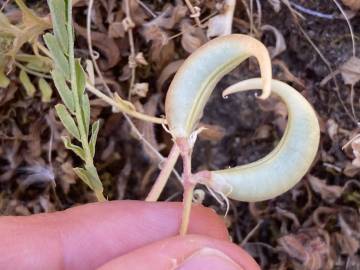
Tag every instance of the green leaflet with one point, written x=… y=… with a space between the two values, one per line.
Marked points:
x=4 y=21
x=39 y=64
x=57 y=9
x=4 y=81
x=85 y=104
x=96 y=183
x=58 y=55
x=26 y=82
x=46 y=90
x=67 y=121
x=83 y=175
x=80 y=78
x=63 y=89
x=90 y=177
x=76 y=149
x=94 y=132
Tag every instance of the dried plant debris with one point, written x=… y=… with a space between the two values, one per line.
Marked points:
x=313 y=226
x=280 y=45
x=350 y=71
x=329 y=193
x=308 y=249
x=221 y=25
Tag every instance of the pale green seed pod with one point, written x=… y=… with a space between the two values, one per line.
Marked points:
x=190 y=90
x=280 y=170
x=202 y=70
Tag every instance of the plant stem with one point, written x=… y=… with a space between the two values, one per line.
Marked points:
x=187 y=202
x=132 y=63
x=161 y=180
x=186 y=150
x=100 y=196
x=74 y=86
x=32 y=72
x=133 y=113
x=89 y=163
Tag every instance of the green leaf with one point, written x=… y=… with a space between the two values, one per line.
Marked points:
x=94 y=133
x=83 y=175
x=46 y=91
x=58 y=55
x=4 y=81
x=80 y=78
x=90 y=177
x=58 y=11
x=26 y=82
x=76 y=149
x=38 y=64
x=63 y=89
x=67 y=121
x=86 y=112
x=4 y=21
x=95 y=180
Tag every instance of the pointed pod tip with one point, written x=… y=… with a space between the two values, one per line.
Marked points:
x=266 y=90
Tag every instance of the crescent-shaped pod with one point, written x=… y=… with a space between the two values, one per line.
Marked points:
x=282 y=168
x=195 y=80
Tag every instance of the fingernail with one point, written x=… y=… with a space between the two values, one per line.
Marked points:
x=208 y=258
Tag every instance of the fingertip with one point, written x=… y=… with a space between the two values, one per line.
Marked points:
x=204 y=218
x=89 y=235
x=131 y=224
x=186 y=253
x=160 y=217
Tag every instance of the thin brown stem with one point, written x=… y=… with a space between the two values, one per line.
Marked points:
x=132 y=62
x=204 y=21
x=145 y=7
x=195 y=13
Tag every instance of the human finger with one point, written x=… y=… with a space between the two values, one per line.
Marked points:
x=191 y=252
x=85 y=237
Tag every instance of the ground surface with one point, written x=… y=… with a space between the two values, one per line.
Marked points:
x=315 y=225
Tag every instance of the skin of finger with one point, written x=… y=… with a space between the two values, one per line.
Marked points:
x=87 y=236
x=173 y=253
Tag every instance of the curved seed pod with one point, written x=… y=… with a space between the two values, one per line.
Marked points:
x=280 y=170
x=198 y=75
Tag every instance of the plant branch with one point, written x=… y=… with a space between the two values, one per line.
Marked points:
x=123 y=108
x=132 y=62
x=161 y=180
x=195 y=13
x=185 y=148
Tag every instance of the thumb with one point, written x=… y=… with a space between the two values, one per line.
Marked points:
x=209 y=258
x=186 y=253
